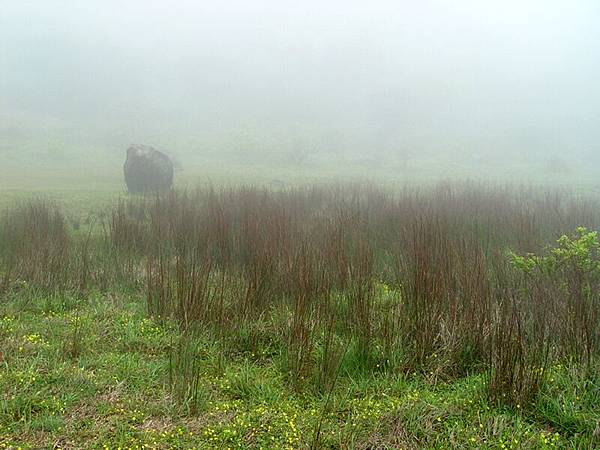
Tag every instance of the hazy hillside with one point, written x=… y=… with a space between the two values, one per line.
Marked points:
x=293 y=90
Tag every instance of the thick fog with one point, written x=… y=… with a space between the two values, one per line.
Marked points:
x=311 y=82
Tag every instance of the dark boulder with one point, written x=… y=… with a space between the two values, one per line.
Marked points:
x=147 y=170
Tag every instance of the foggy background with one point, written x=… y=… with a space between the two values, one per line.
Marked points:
x=467 y=87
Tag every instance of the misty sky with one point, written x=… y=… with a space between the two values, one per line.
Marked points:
x=492 y=78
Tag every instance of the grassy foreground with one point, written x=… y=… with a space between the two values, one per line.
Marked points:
x=315 y=318
x=94 y=373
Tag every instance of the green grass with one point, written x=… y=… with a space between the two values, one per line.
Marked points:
x=68 y=170
x=94 y=373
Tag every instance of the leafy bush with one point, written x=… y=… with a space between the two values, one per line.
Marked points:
x=572 y=270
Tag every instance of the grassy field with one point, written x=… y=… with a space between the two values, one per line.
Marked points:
x=329 y=316
x=94 y=373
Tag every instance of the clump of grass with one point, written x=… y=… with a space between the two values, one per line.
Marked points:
x=127 y=226
x=74 y=342
x=520 y=351
x=36 y=244
x=185 y=371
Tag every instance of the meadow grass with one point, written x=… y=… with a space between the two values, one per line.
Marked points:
x=340 y=316
x=115 y=392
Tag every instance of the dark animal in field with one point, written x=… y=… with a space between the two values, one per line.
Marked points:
x=147 y=170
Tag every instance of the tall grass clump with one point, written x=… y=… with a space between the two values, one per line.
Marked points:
x=35 y=244
x=186 y=356
x=520 y=345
